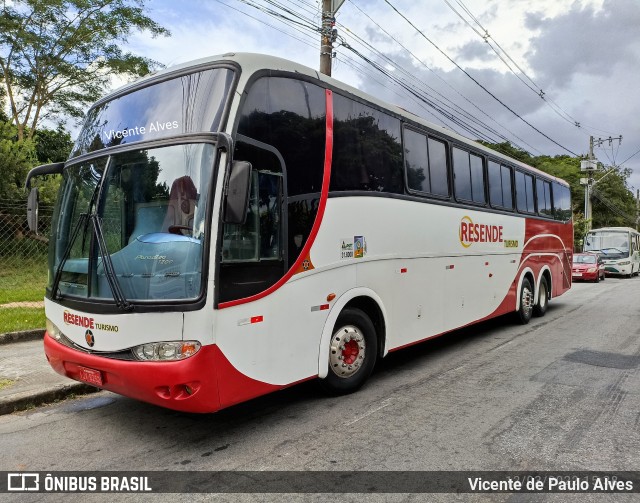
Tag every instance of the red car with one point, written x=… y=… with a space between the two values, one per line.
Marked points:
x=587 y=267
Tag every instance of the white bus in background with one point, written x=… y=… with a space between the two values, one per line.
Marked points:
x=239 y=224
x=620 y=249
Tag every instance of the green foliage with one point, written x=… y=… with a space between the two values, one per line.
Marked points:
x=16 y=158
x=53 y=145
x=57 y=56
x=23 y=281
x=580 y=228
x=507 y=149
x=613 y=204
x=14 y=319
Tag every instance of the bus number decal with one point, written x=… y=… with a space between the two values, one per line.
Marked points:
x=353 y=248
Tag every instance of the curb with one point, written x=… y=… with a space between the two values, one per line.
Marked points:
x=29 y=399
x=26 y=335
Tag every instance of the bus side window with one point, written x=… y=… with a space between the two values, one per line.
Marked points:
x=544 y=198
x=252 y=255
x=524 y=193
x=426 y=168
x=468 y=176
x=500 y=186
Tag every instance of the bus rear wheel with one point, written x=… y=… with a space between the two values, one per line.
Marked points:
x=525 y=311
x=352 y=353
x=543 y=298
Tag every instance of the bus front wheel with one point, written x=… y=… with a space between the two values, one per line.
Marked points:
x=352 y=352
x=526 y=302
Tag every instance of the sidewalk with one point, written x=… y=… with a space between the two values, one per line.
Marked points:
x=26 y=379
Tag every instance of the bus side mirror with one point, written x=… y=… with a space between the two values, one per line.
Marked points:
x=32 y=209
x=33 y=199
x=237 y=194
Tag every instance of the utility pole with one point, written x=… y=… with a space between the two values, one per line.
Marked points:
x=328 y=34
x=638 y=209
x=590 y=165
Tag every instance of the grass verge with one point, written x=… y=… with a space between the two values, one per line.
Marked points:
x=22 y=280
x=14 y=319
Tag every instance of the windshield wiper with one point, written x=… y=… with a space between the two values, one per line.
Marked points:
x=112 y=279
x=107 y=264
x=82 y=220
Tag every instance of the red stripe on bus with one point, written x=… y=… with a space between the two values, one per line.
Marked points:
x=328 y=153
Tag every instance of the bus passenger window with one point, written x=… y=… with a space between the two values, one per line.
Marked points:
x=468 y=174
x=462 y=174
x=524 y=193
x=415 y=158
x=544 y=198
x=438 y=167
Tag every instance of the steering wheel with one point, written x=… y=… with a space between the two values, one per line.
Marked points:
x=178 y=229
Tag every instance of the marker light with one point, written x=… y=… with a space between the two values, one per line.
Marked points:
x=166 y=351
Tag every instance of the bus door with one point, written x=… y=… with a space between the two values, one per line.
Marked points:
x=253 y=257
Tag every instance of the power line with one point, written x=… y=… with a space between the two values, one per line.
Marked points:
x=476 y=81
x=464 y=112
x=532 y=85
x=279 y=18
x=304 y=24
x=630 y=157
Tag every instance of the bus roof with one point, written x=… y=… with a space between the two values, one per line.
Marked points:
x=253 y=62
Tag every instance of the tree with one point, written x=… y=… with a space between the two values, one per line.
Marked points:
x=16 y=158
x=53 y=145
x=57 y=56
x=613 y=203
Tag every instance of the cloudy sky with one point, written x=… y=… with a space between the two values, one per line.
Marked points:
x=584 y=55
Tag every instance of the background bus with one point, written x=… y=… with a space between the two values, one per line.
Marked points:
x=619 y=247
x=238 y=224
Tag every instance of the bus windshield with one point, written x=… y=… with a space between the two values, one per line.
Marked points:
x=611 y=244
x=132 y=225
x=191 y=103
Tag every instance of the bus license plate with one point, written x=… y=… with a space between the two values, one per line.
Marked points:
x=90 y=376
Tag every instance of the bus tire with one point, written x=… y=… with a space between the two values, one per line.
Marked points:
x=352 y=353
x=525 y=311
x=543 y=298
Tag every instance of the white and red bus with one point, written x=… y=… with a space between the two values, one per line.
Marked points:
x=239 y=224
x=619 y=248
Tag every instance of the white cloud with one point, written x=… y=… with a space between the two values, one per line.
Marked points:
x=583 y=53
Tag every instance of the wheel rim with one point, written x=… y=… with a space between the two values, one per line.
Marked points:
x=527 y=300
x=347 y=351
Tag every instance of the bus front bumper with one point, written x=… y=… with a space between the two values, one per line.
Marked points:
x=205 y=382
x=188 y=385
x=618 y=269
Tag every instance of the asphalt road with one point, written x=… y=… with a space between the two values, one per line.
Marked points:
x=562 y=393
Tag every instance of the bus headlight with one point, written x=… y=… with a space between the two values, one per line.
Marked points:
x=53 y=330
x=166 y=351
